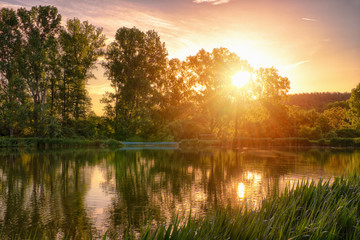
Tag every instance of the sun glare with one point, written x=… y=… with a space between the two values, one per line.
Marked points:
x=241 y=190
x=241 y=78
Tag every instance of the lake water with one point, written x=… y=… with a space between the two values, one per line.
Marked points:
x=78 y=193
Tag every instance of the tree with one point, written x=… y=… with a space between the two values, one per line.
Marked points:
x=270 y=89
x=210 y=76
x=39 y=28
x=337 y=117
x=12 y=88
x=269 y=85
x=354 y=104
x=81 y=45
x=135 y=64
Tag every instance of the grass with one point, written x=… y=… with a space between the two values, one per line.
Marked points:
x=271 y=142
x=308 y=210
x=42 y=143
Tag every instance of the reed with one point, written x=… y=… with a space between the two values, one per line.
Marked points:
x=309 y=210
x=42 y=143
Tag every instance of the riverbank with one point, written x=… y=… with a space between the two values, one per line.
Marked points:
x=271 y=142
x=44 y=143
x=309 y=210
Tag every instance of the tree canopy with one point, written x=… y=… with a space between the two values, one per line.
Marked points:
x=45 y=68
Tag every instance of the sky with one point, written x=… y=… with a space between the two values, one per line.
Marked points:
x=315 y=43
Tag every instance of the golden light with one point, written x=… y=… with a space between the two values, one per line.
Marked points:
x=241 y=190
x=241 y=78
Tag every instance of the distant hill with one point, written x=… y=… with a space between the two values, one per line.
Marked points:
x=317 y=100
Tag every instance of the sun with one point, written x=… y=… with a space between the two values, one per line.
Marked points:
x=241 y=78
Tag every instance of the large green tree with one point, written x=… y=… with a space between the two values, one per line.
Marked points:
x=81 y=45
x=177 y=108
x=40 y=27
x=135 y=64
x=211 y=77
x=12 y=88
x=270 y=89
x=354 y=104
x=270 y=85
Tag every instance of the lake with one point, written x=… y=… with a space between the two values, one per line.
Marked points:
x=78 y=193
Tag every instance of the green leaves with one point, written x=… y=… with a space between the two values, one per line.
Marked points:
x=81 y=44
x=46 y=64
x=135 y=64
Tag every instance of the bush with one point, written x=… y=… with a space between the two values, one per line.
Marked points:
x=342 y=142
x=322 y=142
x=293 y=142
x=310 y=133
x=189 y=143
x=135 y=139
x=254 y=142
x=347 y=133
x=56 y=143
x=330 y=135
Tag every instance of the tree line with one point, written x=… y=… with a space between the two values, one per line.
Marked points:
x=45 y=67
x=317 y=100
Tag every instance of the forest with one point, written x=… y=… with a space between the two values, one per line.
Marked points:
x=45 y=68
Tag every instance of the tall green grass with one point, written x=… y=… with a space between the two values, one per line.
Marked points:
x=308 y=210
x=271 y=142
x=56 y=143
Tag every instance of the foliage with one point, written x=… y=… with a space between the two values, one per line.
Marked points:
x=337 y=117
x=249 y=142
x=56 y=143
x=269 y=84
x=39 y=27
x=13 y=94
x=135 y=64
x=342 y=142
x=45 y=67
x=81 y=45
x=347 y=133
x=318 y=100
x=354 y=104
x=310 y=133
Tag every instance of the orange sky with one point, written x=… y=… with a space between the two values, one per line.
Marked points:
x=316 y=44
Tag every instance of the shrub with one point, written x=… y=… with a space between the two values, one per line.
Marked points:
x=310 y=133
x=294 y=142
x=56 y=143
x=189 y=143
x=330 y=135
x=342 y=142
x=347 y=133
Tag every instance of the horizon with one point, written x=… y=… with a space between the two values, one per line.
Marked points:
x=315 y=45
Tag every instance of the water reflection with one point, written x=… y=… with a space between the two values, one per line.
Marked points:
x=241 y=190
x=86 y=192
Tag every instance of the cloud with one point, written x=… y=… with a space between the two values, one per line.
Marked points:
x=309 y=19
x=213 y=2
x=99 y=88
x=9 y=5
x=294 y=65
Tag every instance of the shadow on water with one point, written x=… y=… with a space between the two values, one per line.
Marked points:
x=82 y=193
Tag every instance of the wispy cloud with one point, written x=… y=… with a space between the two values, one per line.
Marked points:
x=309 y=19
x=99 y=88
x=213 y=2
x=294 y=65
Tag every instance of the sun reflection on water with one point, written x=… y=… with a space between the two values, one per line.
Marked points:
x=241 y=190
